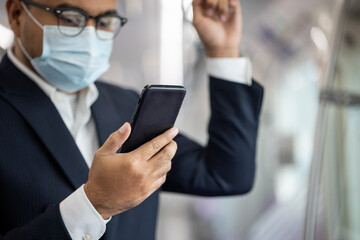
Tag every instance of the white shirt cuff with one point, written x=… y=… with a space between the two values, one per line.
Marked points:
x=237 y=70
x=81 y=219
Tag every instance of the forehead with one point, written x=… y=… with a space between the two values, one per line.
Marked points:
x=92 y=7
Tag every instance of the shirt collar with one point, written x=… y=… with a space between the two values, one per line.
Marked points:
x=90 y=93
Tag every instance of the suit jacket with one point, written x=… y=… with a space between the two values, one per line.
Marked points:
x=40 y=164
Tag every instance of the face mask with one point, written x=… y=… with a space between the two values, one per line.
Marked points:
x=70 y=63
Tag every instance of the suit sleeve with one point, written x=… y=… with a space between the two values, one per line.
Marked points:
x=226 y=166
x=49 y=225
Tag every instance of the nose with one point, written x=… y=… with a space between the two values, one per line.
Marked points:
x=91 y=22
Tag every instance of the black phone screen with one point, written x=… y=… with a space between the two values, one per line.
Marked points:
x=157 y=110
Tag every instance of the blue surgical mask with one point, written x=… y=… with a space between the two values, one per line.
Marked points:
x=71 y=63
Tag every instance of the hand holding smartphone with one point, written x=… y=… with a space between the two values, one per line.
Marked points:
x=157 y=110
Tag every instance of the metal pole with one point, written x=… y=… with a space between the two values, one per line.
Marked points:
x=315 y=173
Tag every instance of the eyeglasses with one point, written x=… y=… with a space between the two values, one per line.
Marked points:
x=76 y=19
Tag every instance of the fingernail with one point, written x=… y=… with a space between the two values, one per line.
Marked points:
x=210 y=12
x=174 y=131
x=223 y=17
x=122 y=130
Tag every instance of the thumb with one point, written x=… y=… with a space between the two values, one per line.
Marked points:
x=116 y=140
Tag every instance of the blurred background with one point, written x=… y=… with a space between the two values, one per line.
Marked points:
x=307 y=55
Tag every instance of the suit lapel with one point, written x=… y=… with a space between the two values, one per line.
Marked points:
x=40 y=113
x=100 y=112
x=108 y=116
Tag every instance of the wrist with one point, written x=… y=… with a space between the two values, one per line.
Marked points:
x=97 y=204
x=223 y=53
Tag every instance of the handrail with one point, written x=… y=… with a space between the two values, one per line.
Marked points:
x=340 y=98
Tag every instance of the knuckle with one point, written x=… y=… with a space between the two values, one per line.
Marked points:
x=168 y=153
x=132 y=168
x=131 y=165
x=223 y=6
x=174 y=145
x=169 y=138
x=170 y=150
x=163 y=165
x=210 y=3
x=168 y=166
x=155 y=145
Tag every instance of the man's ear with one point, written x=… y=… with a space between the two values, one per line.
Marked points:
x=14 y=10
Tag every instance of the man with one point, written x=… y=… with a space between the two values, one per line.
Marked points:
x=54 y=118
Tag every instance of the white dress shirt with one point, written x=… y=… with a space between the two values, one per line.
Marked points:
x=80 y=217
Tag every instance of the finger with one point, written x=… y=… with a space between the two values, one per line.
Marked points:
x=223 y=9
x=235 y=13
x=197 y=9
x=149 y=149
x=115 y=140
x=161 y=162
x=210 y=6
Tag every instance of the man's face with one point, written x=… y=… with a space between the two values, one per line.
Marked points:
x=31 y=34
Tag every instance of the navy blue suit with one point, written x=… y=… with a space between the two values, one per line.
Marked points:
x=40 y=164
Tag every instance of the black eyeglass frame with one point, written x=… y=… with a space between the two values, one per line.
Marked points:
x=59 y=11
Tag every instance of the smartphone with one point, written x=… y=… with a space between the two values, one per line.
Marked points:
x=156 y=112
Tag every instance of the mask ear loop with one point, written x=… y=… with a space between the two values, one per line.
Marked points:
x=27 y=55
x=23 y=49
x=31 y=16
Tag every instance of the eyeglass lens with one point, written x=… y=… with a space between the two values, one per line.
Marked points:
x=107 y=26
